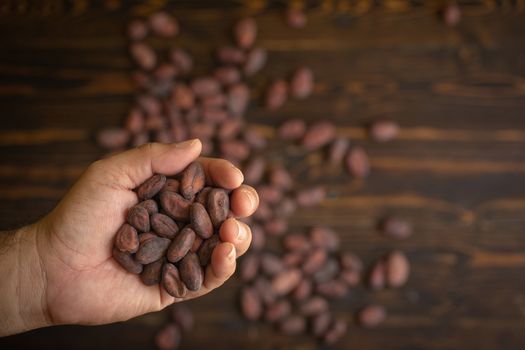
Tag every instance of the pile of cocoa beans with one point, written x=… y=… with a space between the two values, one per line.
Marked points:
x=169 y=236
x=291 y=286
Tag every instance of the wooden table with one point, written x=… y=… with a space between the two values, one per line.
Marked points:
x=457 y=168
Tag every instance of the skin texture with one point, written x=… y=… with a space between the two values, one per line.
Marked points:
x=60 y=269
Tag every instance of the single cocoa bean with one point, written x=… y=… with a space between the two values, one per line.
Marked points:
x=150 y=205
x=396 y=227
x=135 y=121
x=451 y=13
x=183 y=97
x=302 y=83
x=295 y=18
x=384 y=130
x=269 y=194
x=175 y=205
x=264 y=288
x=254 y=138
x=165 y=71
x=291 y=130
x=255 y=61
x=271 y=265
x=227 y=75
x=336 y=331
x=280 y=178
x=171 y=185
x=397 y=269
x=126 y=261
x=140 y=139
x=205 y=86
x=245 y=32
x=376 y=277
x=332 y=289
x=145 y=236
x=151 y=274
x=196 y=244
x=164 y=25
x=143 y=55
x=191 y=272
x=200 y=221
x=258 y=238
x=152 y=250
x=324 y=237
x=318 y=135
x=237 y=99
x=218 y=206
x=286 y=281
x=251 y=305
x=327 y=272
x=229 y=129
x=276 y=227
x=276 y=94
x=163 y=225
x=254 y=170
x=350 y=261
x=303 y=290
x=138 y=217
x=314 y=261
x=206 y=249
x=285 y=208
x=182 y=60
x=357 y=162
x=151 y=186
x=230 y=55
x=149 y=104
x=214 y=115
x=313 y=306
x=277 y=311
x=113 y=138
x=320 y=323
x=338 y=150
x=181 y=244
x=213 y=101
x=310 y=196
x=249 y=267
x=371 y=316
x=234 y=150
x=192 y=180
x=293 y=325
x=127 y=239
x=169 y=337
x=172 y=282
x=350 y=277
x=137 y=29
x=202 y=196
x=296 y=242
x=182 y=315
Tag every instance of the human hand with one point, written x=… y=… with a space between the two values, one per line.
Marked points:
x=81 y=282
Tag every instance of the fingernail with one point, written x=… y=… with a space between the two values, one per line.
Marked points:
x=249 y=194
x=187 y=144
x=238 y=172
x=241 y=232
x=231 y=253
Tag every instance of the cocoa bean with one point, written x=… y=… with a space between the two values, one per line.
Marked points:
x=324 y=237
x=336 y=331
x=271 y=265
x=163 y=25
x=229 y=129
x=202 y=196
x=254 y=170
x=151 y=274
x=314 y=261
x=286 y=281
x=396 y=227
x=285 y=208
x=113 y=138
x=200 y=221
x=231 y=55
x=303 y=290
x=311 y=196
x=163 y=225
x=165 y=71
x=280 y=178
x=376 y=278
x=296 y=242
x=320 y=323
x=264 y=289
x=218 y=206
x=318 y=135
x=206 y=249
x=182 y=315
x=143 y=55
x=214 y=115
x=172 y=282
x=169 y=337
x=145 y=236
x=137 y=29
x=196 y=244
x=451 y=13
x=152 y=250
x=254 y=138
x=371 y=316
x=313 y=306
x=192 y=180
x=295 y=18
x=291 y=130
x=149 y=104
x=276 y=227
x=205 y=86
x=269 y=194
x=150 y=205
x=171 y=185
x=338 y=150
x=327 y=272
x=277 y=311
x=183 y=97
x=138 y=217
x=350 y=261
x=249 y=267
x=302 y=83
x=293 y=259
x=384 y=130
x=276 y=94
x=181 y=244
x=213 y=101
x=255 y=61
x=245 y=32
x=332 y=289
x=191 y=272
x=258 y=238
x=397 y=269
x=350 y=277
x=250 y=304
x=182 y=60
x=151 y=186
x=357 y=162
x=126 y=261
x=227 y=75
x=135 y=121
x=293 y=325
x=175 y=205
x=127 y=239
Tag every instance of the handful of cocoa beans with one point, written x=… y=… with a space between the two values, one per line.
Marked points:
x=169 y=236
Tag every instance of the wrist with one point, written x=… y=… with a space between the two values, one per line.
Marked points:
x=22 y=291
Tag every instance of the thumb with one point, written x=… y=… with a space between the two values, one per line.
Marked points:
x=133 y=167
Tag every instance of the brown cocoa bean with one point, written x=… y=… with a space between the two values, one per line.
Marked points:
x=143 y=55
x=234 y=150
x=218 y=206
x=280 y=178
x=191 y=272
x=293 y=325
x=396 y=227
x=249 y=267
x=163 y=25
x=292 y=130
x=175 y=205
x=181 y=244
x=155 y=123
x=137 y=29
x=258 y=238
x=314 y=261
x=336 y=331
x=126 y=261
x=318 y=135
x=295 y=18
x=276 y=94
x=277 y=311
x=263 y=212
x=182 y=60
x=165 y=71
x=206 y=249
x=254 y=138
x=332 y=289
x=229 y=129
x=276 y=227
x=214 y=115
x=310 y=196
x=138 y=217
x=200 y=221
x=251 y=305
x=338 y=150
x=230 y=55
x=183 y=97
x=303 y=290
x=285 y=208
x=384 y=130
x=238 y=98
x=149 y=104
x=171 y=185
x=205 y=86
x=254 y=170
x=371 y=316
x=350 y=261
x=151 y=274
x=255 y=61
x=172 y=282
x=145 y=236
x=271 y=265
x=324 y=237
x=151 y=186
x=293 y=259
x=150 y=205
x=202 y=196
x=397 y=269
x=320 y=323
x=313 y=306
x=214 y=101
x=264 y=288
x=296 y=242
x=192 y=180
x=182 y=315
x=302 y=83
x=196 y=244
x=169 y=337
x=269 y=194
x=113 y=138
x=451 y=13
x=227 y=75
x=135 y=121
x=152 y=250
x=286 y=281
x=163 y=225
x=327 y=272
x=357 y=162
x=127 y=239
x=350 y=277
x=376 y=277
x=245 y=32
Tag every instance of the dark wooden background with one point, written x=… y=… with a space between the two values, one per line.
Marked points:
x=457 y=169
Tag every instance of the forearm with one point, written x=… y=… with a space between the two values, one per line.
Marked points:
x=22 y=287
